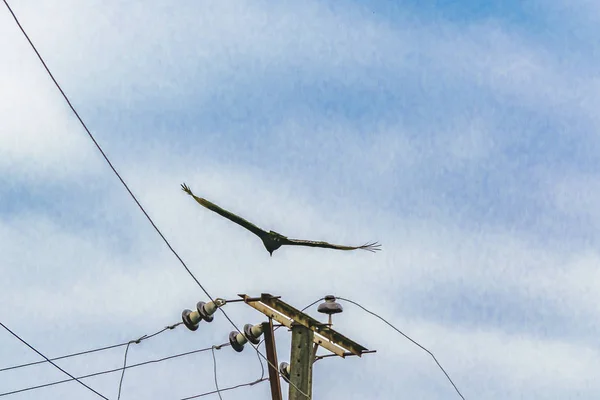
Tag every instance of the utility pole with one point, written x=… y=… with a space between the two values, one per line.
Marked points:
x=308 y=335
x=301 y=363
x=306 y=332
x=272 y=357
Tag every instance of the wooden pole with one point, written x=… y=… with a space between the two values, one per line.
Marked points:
x=272 y=357
x=301 y=363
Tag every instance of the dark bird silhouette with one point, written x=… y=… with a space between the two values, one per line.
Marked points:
x=273 y=240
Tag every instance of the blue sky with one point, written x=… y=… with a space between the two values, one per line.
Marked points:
x=463 y=137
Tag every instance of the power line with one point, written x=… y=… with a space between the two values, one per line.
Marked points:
x=145 y=337
x=166 y=328
x=65 y=356
x=137 y=342
x=215 y=370
x=312 y=304
x=123 y=372
x=226 y=389
x=56 y=366
x=409 y=338
x=103 y=153
x=262 y=367
x=255 y=347
x=123 y=181
x=112 y=370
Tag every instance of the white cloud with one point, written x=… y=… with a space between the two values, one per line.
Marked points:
x=110 y=276
x=580 y=12
x=125 y=63
x=578 y=195
x=39 y=137
x=100 y=285
x=38 y=140
x=198 y=44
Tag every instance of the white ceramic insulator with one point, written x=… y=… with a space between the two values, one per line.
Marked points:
x=241 y=339
x=210 y=308
x=256 y=330
x=195 y=317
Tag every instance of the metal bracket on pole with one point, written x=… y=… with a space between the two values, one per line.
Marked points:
x=307 y=335
x=286 y=315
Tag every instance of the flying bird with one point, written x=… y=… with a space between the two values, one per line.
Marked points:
x=273 y=240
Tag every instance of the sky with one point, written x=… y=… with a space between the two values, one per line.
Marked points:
x=462 y=136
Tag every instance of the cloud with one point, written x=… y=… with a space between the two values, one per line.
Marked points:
x=577 y=196
x=419 y=262
x=447 y=142
x=39 y=137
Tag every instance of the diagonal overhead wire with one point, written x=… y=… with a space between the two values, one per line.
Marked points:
x=112 y=167
x=226 y=389
x=110 y=371
x=407 y=337
x=114 y=346
x=110 y=164
x=80 y=353
x=56 y=366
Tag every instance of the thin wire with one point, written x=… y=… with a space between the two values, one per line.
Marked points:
x=166 y=328
x=409 y=338
x=262 y=367
x=125 y=184
x=103 y=153
x=112 y=370
x=123 y=372
x=226 y=389
x=65 y=356
x=255 y=347
x=56 y=366
x=280 y=374
x=279 y=326
x=215 y=370
x=138 y=341
x=88 y=351
x=313 y=303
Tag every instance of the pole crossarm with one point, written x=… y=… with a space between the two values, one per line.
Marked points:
x=286 y=315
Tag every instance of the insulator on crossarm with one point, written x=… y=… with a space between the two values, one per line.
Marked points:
x=330 y=306
x=284 y=370
x=251 y=333
x=237 y=340
x=204 y=312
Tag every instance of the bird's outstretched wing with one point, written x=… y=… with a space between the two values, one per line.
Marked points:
x=224 y=213
x=372 y=247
